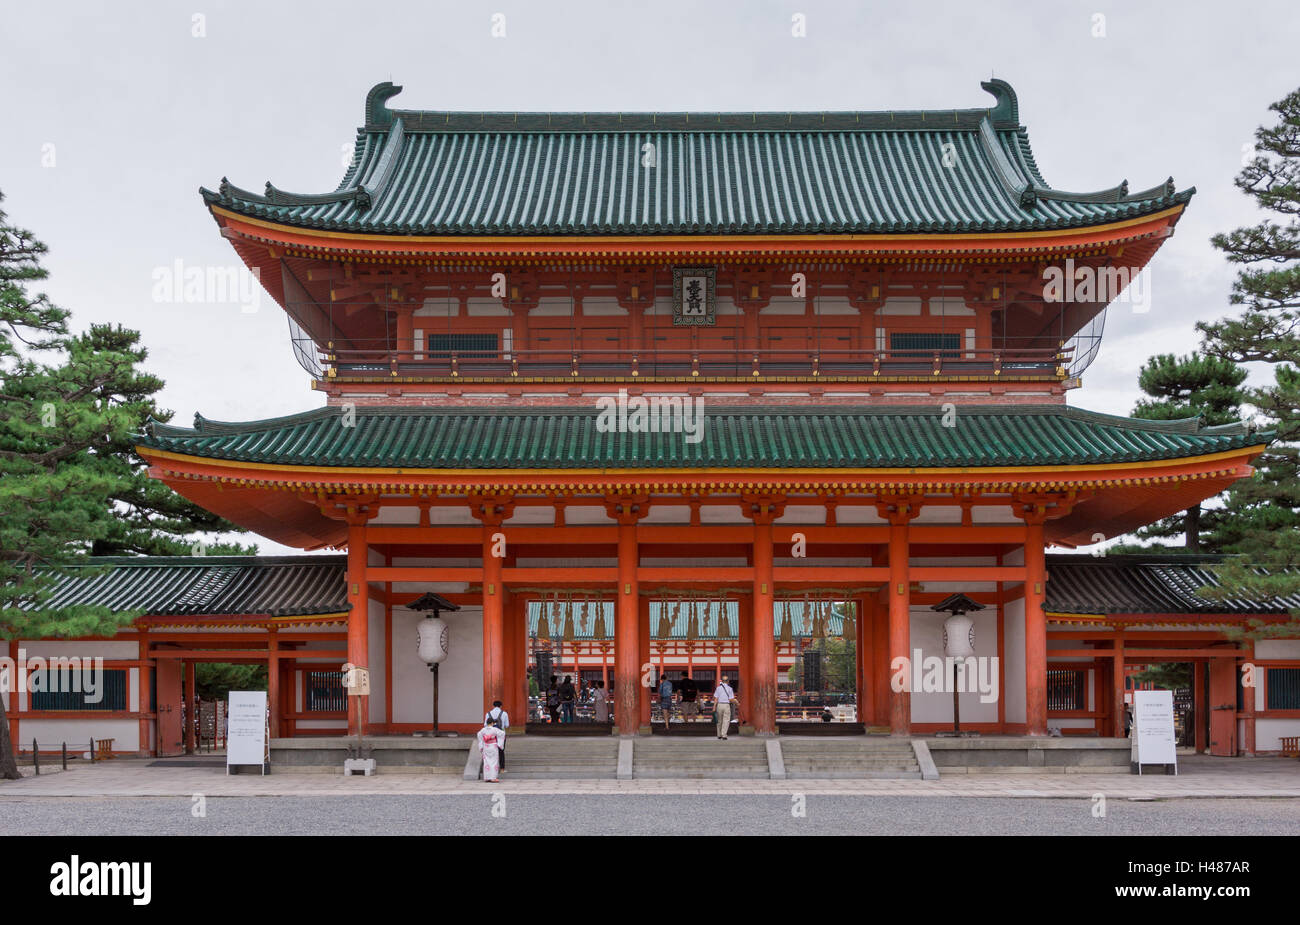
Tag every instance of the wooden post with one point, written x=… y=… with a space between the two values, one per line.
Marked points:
x=358 y=617
x=1035 y=631
x=1199 y=703
x=191 y=706
x=900 y=616
x=760 y=703
x=1117 y=686
x=880 y=657
x=494 y=679
x=145 y=674
x=273 y=680
x=627 y=636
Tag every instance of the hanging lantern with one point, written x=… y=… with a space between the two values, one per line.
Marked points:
x=568 y=621
x=599 y=631
x=959 y=636
x=434 y=640
x=787 y=630
x=543 y=623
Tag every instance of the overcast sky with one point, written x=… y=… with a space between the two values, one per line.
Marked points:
x=113 y=115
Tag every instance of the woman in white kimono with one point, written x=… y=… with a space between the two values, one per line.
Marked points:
x=490 y=740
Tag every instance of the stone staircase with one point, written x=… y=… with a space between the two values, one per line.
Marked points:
x=567 y=758
x=699 y=758
x=860 y=757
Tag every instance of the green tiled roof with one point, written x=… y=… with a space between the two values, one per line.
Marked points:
x=448 y=173
x=762 y=438
x=207 y=585
x=1146 y=583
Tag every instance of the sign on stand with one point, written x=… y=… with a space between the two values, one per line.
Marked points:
x=247 y=741
x=1152 y=734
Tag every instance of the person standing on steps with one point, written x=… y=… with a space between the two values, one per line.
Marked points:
x=723 y=700
x=497 y=716
x=666 y=698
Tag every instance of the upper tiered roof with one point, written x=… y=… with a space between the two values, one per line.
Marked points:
x=428 y=173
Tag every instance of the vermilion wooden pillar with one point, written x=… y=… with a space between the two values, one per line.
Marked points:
x=147 y=742
x=191 y=697
x=517 y=658
x=900 y=630
x=627 y=634
x=760 y=702
x=880 y=657
x=358 y=619
x=1199 y=702
x=273 y=680
x=745 y=645
x=494 y=653
x=1035 y=631
x=1117 y=687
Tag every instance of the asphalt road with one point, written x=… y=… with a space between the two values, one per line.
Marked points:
x=641 y=814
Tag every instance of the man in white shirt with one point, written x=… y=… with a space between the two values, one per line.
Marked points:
x=497 y=716
x=723 y=698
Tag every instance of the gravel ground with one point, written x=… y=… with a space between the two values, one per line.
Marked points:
x=628 y=814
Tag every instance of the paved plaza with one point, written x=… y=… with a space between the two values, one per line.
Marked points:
x=642 y=812
x=1200 y=777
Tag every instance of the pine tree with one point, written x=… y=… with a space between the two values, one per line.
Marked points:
x=68 y=407
x=1265 y=509
x=1192 y=386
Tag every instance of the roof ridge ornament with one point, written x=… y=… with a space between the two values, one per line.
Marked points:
x=377 y=112
x=1008 y=106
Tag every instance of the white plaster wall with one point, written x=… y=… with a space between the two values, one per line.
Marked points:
x=50 y=732
x=811 y=514
x=1013 y=652
x=927 y=635
x=1268 y=733
x=378 y=680
x=1278 y=648
x=460 y=685
x=51 y=648
x=668 y=514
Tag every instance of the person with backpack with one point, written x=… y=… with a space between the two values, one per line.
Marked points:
x=723 y=700
x=497 y=716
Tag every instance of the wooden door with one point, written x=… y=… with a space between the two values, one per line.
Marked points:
x=1223 y=707
x=171 y=732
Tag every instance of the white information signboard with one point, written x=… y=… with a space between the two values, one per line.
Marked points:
x=1152 y=735
x=246 y=740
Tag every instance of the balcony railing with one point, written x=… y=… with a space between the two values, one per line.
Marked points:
x=1047 y=363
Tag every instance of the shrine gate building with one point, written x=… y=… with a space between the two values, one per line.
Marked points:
x=689 y=387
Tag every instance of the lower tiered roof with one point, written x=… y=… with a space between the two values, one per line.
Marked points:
x=748 y=437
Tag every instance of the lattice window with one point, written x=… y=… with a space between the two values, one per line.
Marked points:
x=325 y=692
x=924 y=344
x=465 y=346
x=1283 y=688
x=109 y=697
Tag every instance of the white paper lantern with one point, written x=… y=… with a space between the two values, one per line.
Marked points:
x=959 y=636
x=434 y=640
